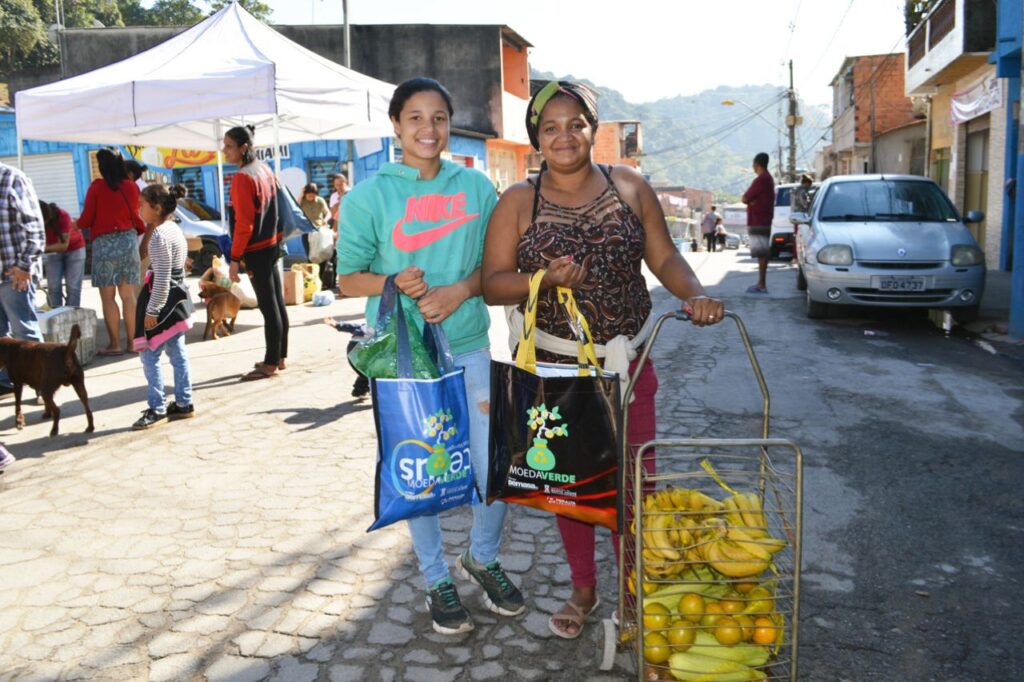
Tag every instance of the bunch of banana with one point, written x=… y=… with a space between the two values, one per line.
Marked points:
x=699 y=668
x=743 y=510
x=735 y=553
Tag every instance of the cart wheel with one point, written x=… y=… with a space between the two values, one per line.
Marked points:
x=610 y=646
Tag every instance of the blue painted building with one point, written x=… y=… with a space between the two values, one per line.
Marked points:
x=1007 y=58
x=62 y=172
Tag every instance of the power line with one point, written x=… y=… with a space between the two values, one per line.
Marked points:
x=728 y=127
x=828 y=43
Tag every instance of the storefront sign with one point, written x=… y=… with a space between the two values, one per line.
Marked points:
x=978 y=99
x=165 y=157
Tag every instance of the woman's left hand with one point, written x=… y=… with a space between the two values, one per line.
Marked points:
x=150 y=321
x=703 y=310
x=440 y=302
x=143 y=250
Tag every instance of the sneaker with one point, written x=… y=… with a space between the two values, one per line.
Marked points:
x=449 y=615
x=6 y=458
x=500 y=595
x=175 y=412
x=756 y=290
x=149 y=419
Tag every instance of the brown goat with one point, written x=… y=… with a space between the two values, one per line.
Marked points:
x=45 y=367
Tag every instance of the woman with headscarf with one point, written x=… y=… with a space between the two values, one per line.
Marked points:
x=111 y=214
x=592 y=228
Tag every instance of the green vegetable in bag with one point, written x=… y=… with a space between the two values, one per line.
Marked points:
x=377 y=356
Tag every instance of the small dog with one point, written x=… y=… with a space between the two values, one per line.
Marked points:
x=221 y=313
x=45 y=367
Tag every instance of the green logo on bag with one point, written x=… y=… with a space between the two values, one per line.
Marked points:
x=540 y=457
x=434 y=427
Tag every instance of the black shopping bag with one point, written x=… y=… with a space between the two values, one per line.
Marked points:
x=555 y=429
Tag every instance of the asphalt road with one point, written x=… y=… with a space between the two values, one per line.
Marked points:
x=913 y=444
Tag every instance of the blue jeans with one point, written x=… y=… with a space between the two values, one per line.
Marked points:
x=69 y=268
x=488 y=520
x=175 y=348
x=17 y=318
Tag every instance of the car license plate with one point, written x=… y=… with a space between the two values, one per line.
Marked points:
x=901 y=283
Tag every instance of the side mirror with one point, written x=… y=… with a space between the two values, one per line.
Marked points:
x=799 y=218
x=974 y=217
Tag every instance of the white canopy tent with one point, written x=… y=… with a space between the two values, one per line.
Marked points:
x=184 y=93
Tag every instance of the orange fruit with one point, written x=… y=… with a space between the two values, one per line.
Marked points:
x=656 y=648
x=764 y=631
x=746 y=625
x=712 y=612
x=728 y=631
x=691 y=607
x=656 y=616
x=682 y=635
x=743 y=588
x=759 y=601
x=731 y=606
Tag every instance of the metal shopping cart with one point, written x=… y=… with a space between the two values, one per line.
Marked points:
x=709 y=560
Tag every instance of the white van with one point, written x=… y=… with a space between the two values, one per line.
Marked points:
x=782 y=230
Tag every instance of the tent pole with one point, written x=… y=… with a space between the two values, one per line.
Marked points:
x=21 y=160
x=220 y=182
x=277 y=147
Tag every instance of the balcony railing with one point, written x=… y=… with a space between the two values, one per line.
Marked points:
x=941 y=21
x=915 y=45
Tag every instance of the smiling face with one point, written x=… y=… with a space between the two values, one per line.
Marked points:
x=564 y=134
x=423 y=126
x=233 y=152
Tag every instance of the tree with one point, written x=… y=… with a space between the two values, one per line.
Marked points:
x=23 y=32
x=174 y=13
x=260 y=10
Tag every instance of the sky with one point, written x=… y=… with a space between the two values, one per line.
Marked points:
x=650 y=49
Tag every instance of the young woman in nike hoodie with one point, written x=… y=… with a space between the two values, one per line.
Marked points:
x=424 y=220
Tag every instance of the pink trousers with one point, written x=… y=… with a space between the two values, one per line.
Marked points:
x=577 y=536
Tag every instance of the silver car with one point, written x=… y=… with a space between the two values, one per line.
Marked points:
x=201 y=221
x=893 y=240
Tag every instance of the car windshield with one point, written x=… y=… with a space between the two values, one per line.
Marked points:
x=886 y=200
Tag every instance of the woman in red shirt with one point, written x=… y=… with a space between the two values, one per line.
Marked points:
x=64 y=261
x=111 y=214
x=256 y=238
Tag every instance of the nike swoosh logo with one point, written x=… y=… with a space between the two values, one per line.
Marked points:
x=415 y=242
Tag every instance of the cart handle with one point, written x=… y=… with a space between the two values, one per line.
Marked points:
x=683 y=316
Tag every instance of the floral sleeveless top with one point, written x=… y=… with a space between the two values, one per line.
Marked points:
x=607 y=238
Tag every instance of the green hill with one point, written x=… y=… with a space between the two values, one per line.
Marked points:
x=696 y=141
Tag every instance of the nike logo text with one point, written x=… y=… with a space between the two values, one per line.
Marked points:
x=430 y=208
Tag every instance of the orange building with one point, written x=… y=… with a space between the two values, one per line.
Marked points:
x=507 y=154
x=618 y=142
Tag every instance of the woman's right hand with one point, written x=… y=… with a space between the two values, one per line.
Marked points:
x=233 y=272
x=410 y=282
x=563 y=272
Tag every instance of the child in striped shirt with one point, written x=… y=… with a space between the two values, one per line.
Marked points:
x=164 y=311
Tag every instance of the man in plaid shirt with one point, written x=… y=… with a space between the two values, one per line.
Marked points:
x=22 y=239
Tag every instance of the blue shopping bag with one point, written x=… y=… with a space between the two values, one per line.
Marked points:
x=423 y=463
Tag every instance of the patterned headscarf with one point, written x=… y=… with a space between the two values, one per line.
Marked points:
x=586 y=98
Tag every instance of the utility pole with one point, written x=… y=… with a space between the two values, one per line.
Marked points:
x=792 y=121
x=350 y=147
x=873 y=166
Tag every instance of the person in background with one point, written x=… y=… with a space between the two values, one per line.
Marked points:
x=257 y=237
x=165 y=312
x=315 y=208
x=111 y=214
x=708 y=227
x=22 y=239
x=64 y=262
x=340 y=183
x=438 y=270
x=760 y=201
x=592 y=227
x=135 y=171
x=800 y=202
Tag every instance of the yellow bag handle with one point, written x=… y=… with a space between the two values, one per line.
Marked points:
x=526 y=354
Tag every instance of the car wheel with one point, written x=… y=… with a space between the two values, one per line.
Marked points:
x=964 y=315
x=816 y=310
x=801 y=281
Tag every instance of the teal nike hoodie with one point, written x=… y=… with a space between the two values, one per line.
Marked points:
x=396 y=219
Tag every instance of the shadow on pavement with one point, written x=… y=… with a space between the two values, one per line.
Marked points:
x=315 y=417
